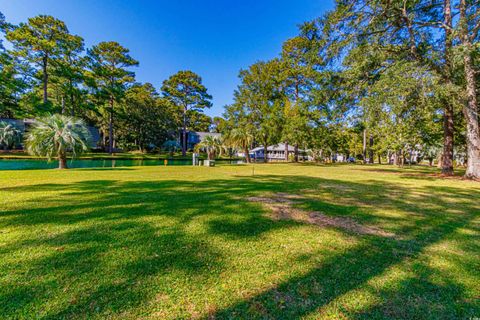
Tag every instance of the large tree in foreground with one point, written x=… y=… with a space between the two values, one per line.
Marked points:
x=54 y=136
x=108 y=63
x=186 y=91
x=398 y=31
x=469 y=29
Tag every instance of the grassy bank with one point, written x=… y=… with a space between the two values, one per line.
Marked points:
x=106 y=156
x=273 y=241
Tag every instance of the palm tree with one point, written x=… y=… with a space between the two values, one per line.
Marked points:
x=212 y=145
x=241 y=138
x=55 y=135
x=9 y=135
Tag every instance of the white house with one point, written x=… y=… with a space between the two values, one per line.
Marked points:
x=276 y=152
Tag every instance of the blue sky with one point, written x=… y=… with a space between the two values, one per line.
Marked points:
x=213 y=38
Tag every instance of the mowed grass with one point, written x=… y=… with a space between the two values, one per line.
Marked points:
x=186 y=242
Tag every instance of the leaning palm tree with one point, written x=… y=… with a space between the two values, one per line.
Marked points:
x=241 y=138
x=212 y=145
x=9 y=135
x=55 y=135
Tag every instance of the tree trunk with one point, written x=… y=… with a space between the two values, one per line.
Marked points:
x=296 y=152
x=470 y=110
x=448 y=125
x=371 y=150
x=440 y=161
x=110 y=128
x=63 y=105
x=364 y=151
x=395 y=158
x=184 y=133
x=62 y=161
x=286 y=151
x=72 y=105
x=45 y=79
x=247 y=155
x=265 y=153
x=379 y=158
x=448 y=131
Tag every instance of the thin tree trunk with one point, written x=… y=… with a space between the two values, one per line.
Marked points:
x=45 y=79
x=440 y=161
x=247 y=155
x=63 y=105
x=379 y=159
x=296 y=152
x=448 y=132
x=286 y=151
x=265 y=152
x=364 y=146
x=110 y=128
x=184 y=133
x=72 y=105
x=371 y=149
x=470 y=110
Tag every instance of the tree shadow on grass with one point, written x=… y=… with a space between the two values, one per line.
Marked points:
x=414 y=297
x=104 y=249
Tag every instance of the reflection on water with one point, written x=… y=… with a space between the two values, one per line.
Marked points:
x=17 y=164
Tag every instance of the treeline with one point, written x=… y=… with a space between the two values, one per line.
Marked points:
x=48 y=70
x=372 y=79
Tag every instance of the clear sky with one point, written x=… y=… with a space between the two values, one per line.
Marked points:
x=214 y=38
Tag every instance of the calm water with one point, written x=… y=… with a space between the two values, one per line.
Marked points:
x=17 y=164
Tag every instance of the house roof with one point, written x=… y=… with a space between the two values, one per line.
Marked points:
x=202 y=135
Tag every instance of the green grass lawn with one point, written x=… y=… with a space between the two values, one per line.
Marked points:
x=187 y=242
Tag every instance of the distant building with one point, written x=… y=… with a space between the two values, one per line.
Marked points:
x=276 y=153
x=195 y=137
x=25 y=124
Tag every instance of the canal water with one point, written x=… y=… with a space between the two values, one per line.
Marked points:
x=31 y=164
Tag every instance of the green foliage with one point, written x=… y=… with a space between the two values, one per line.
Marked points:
x=11 y=84
x=108 y=78
x=260 y=100
x=108 y=63
x=198 y=121
x=144 y=118
x=187 y=93
x=185 y=89
x=54 y=136
x=9 y=135
x=40 y=41
x=212 y=145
